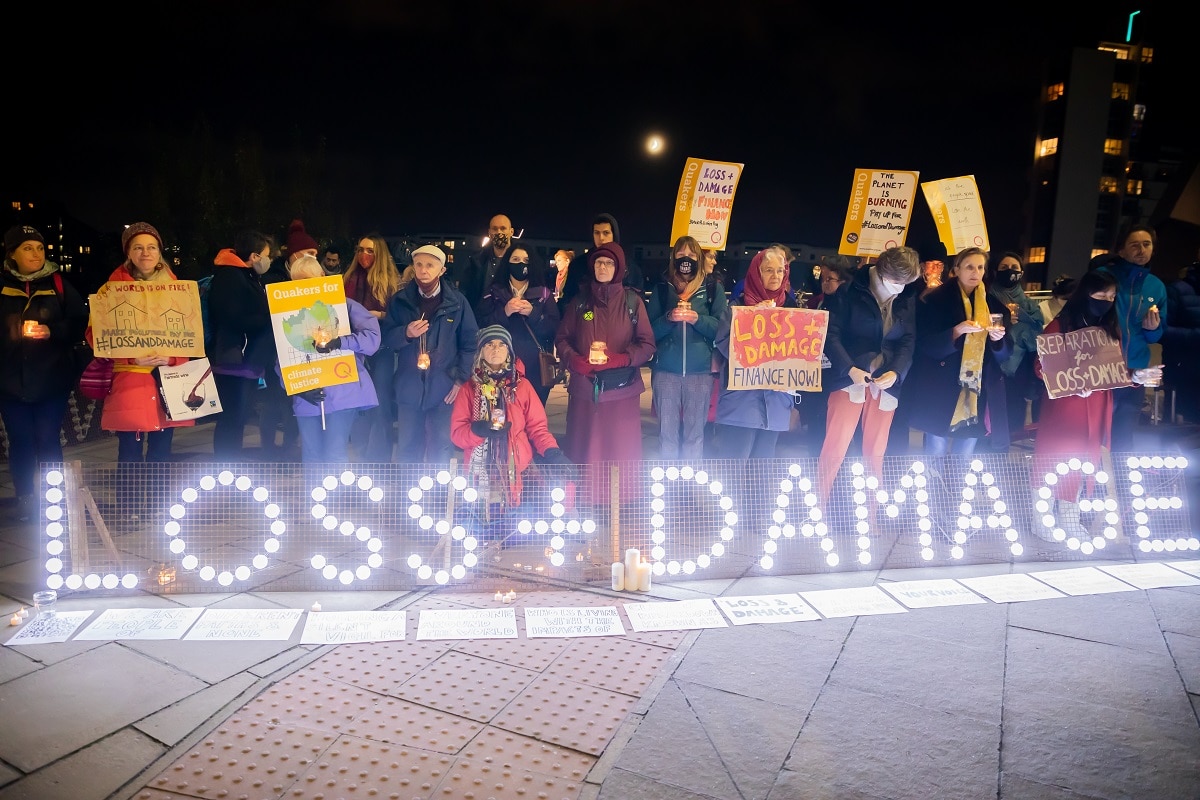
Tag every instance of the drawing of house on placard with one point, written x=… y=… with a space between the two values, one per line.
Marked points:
x=125 y=316
x=172 y=319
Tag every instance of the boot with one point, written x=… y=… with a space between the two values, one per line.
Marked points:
x=1068 y=520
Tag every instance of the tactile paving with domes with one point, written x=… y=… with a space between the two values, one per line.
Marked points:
x=466 y=685
x=523 y=752
x=404 y=723
x=245 y=759
x=566 y=712
x=312 y=701
x=610 y=662
x=522 y=652
x=378 y=666
x=354 y=767
x=471 y=779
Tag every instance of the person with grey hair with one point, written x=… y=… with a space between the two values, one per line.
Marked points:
x=872 y=333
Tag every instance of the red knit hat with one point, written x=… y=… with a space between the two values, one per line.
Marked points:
x=298 y=238
x=136 y=229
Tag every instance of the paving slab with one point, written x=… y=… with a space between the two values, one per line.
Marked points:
x=174 y=723
x=1177 y=609
x=1124 y=619
x=94 y=773
x=64 y=707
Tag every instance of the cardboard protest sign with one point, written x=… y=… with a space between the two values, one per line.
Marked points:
x=1086 y=360
x=957 y=213
x=776 y=348
x=131 y=319
x=304 y=313
x=705 y=201
x=879 y=211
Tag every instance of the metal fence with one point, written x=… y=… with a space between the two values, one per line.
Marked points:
x=194 y=527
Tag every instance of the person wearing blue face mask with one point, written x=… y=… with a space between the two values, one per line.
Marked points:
x=520 y=302
x=1025 y=323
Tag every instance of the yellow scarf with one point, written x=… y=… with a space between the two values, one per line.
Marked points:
x=970 y=373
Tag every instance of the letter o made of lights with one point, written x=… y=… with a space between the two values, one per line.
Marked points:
x=329 y=522
x=658 y=508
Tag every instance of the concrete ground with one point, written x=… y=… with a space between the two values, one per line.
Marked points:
x=1090 y=695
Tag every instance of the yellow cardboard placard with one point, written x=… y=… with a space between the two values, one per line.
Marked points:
x=957 y=213
x=705 y=201
x=132 y=319
x=879 y=211
x=303 y=313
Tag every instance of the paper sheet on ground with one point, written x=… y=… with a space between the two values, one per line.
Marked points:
x=344 y=627
x=756 y=609
x=1082 y=581
x=573 y=621
x=1010 y=588
x=474 y=623
x=853 y=602
x=46 y=628
x=1155 y=575
x=931 y=593
x=245 y=624
x=681 y=615
x=141 y=623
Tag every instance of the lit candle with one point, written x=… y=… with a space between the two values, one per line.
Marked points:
x=423 y=361
x=643 y=576
x=598 y=353
x=512 y=595
x=618 y=576
x=632 y=557
x=15 y=619
x=30 y=328
x=24 y=612
x=316 y=606
x=499 y=597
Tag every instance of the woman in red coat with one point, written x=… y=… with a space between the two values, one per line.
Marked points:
x=604 y=413
x=499 y=422
x=1075 y=426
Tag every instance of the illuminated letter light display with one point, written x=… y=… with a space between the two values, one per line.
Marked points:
x=400 y=537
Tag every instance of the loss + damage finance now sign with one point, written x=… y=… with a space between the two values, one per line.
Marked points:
x=776 y=348
x=705 y=201
x=304 y=313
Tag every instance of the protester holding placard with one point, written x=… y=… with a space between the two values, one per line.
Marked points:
x=1142 y=312
x=42 y=317
x=605 y=338
x=955 y=388
x=749 y=421
x=1078 y=425
x=324 y=415
x=684 y=310
x=872 y=334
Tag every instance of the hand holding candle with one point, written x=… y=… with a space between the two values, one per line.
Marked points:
x=598 y=354
x=32 y=329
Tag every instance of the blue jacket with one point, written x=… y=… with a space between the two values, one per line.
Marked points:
x=363 y=340
x=761 y=409
x=710 y=303
x=1137 y=290
x=450 y=343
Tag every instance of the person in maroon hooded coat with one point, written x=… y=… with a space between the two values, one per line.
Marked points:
x=604 y=415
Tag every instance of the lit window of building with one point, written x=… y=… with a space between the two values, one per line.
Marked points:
x=1122 y=53
x=1139 y=111
x=1054 y=92
x=1112 y=147
x=1048 y=147
x=1133 y=187
x=1147 y=55
x=1037 y=255
x=1120 y=91
x=1108 y=184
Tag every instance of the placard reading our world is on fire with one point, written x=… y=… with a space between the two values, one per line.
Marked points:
x=776 y=348
x=131 y=319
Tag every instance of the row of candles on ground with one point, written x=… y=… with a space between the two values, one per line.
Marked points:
x=631 y=575
x=19 y=616
x=506 y=597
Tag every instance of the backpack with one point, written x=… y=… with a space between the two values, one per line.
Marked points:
x=81 y=353
x=632 y=301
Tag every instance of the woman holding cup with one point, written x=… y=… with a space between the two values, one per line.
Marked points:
x=43 y=318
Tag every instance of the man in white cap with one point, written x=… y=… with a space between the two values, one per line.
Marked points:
x=432 y=328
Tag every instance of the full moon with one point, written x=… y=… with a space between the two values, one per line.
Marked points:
x=654 y=144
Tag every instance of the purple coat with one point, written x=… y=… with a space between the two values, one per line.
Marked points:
x=363 y=340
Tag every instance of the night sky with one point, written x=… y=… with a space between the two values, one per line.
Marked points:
x=435 y=115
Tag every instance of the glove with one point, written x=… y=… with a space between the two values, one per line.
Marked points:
x=553 y=455
x=484 y=430
x=580 y=364
x=314 y=396
x=333 y=344
x=617 y=360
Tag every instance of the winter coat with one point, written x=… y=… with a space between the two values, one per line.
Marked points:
x=760 y=409
x=363 y=341
x=32 y=370
x=528 y=428
x=543 y=321
x=134 y=404
x=931 y=388
x=450 y=343
x=612 y=324
x=1030 y=322
x=670 y=338
x=241 y=341
x=1181 y=342
x=856 y=336
x=1137 y=290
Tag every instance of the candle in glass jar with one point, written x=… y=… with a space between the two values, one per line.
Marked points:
x=997 y=321
x=30 y=328
x=423 y=361
x=598 y=354
x=498 y=417
x=1012 y=313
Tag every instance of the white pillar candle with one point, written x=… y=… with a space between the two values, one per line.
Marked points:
x=618 y=576
x=632 y=559
x=643 y=584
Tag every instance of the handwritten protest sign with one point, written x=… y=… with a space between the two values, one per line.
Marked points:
x=705 y=201
x=233 y=624
x=1086 y=360
x=879 y=211
x=131 y=319
x=572 y=621
x=304 y=314
x=141 y=623
x=776 y=348
x=475 y=623
x=957 y=213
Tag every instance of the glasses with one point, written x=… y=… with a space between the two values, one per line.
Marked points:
x=605 y=262
x=769 y=271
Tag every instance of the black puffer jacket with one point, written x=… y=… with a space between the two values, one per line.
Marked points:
x=32 y=370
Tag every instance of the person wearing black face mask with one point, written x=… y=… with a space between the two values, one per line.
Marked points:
x=1076 y=426
x=1025 y=323
x=484 y=268
x=518 y=301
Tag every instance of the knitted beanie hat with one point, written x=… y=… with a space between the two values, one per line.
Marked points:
x=19 y=234
x=298 y=238
x=134 y=230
